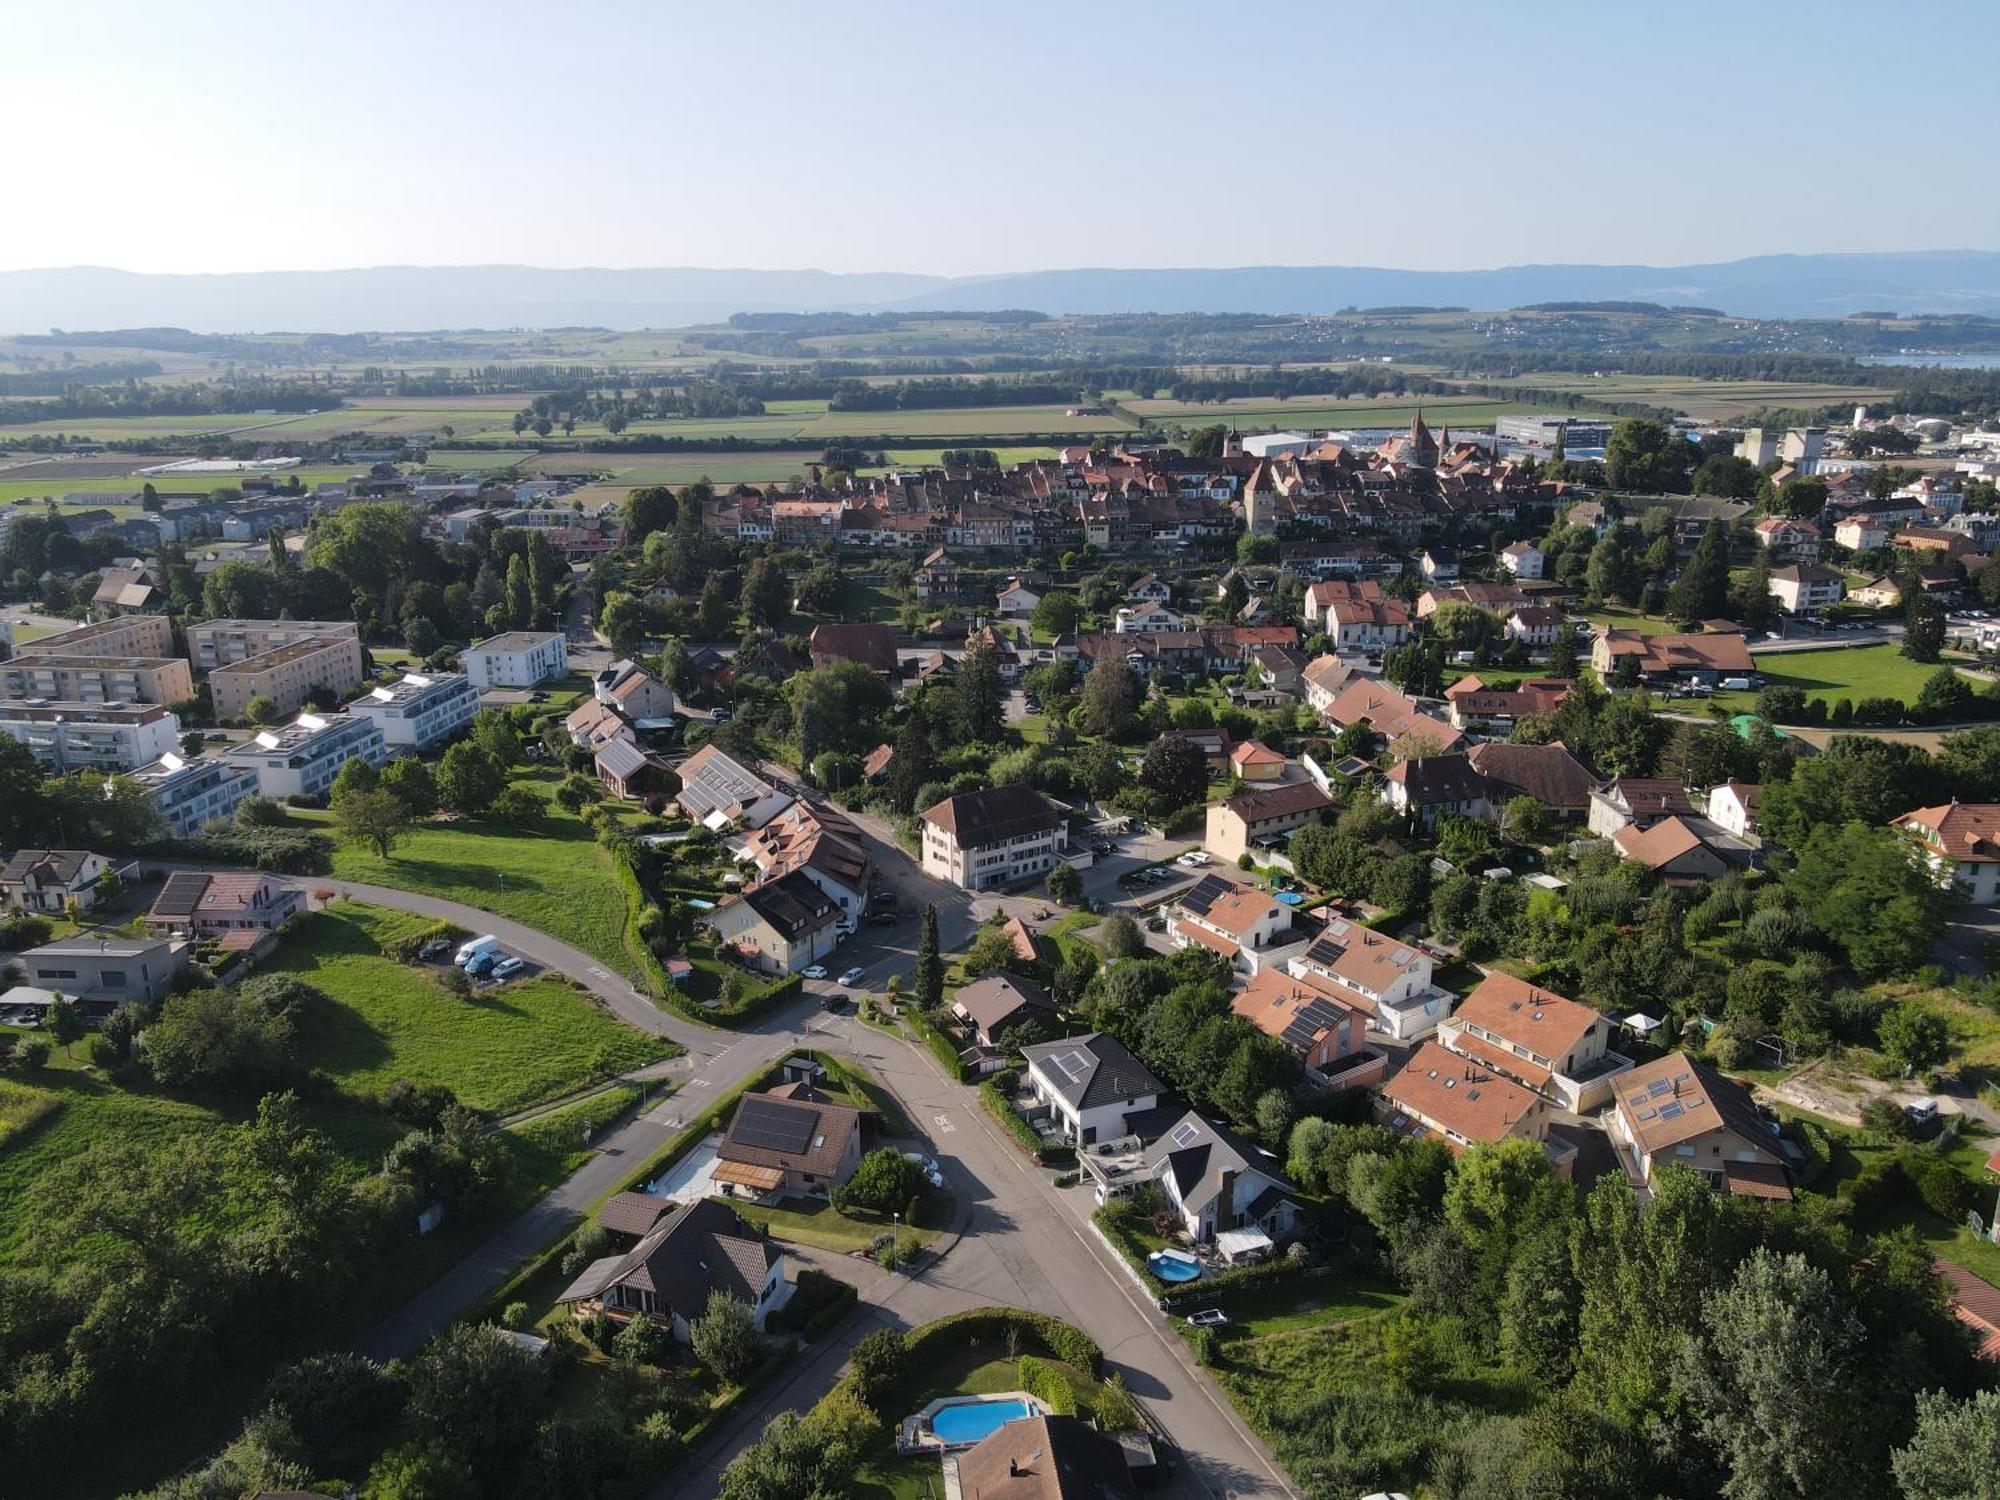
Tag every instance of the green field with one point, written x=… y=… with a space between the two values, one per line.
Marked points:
x=551 y=876
x=1703 y=400
x=972 y=421
x=513 y=1046
x=1851 y=672
x=1313 y=412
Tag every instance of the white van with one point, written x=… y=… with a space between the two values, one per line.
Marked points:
x=468 y=951
x=1736 y=684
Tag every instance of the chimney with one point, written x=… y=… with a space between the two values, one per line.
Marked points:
x=1013 y=1468
x=1225 y=1212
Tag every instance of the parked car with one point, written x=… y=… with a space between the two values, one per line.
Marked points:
x=508 y=967
x=1156 y=923
x=883 y=919
x=1921 y=1111
x=481 y=964
x=815 y=971
x=434 y=950
x=1209 y=1317
x=931 y=1172
x=849 y=978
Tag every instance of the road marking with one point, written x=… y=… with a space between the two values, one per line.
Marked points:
x=943 y=1123
x=700 y=1083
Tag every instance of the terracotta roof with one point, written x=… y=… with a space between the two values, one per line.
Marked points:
x=1676 y=1098
x=1273 y=999
x=1658 y=846
x=1680 y=653
x=1540 y=1020
x=1968 y=832
x=1361 y=956
x=1535 y=695
x=1044 y=1458
x=1250 y=752
x=1278 y=802
x=1975 y=1303
x=1460 y=1095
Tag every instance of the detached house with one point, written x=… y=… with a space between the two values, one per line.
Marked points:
x=1558 y=1048
x=1091 y=1085
x=699 y=1249
x=1313 y=1016
x=1960 y=841
x=780 y=927
x=1474 y=705
x=1391 y=981
x=194 y=903
x=1251 y=819
x=1223 y=1188
x=1435 y=786
x=1523 y=559
x=788 y=1143
x=1461 y=1101
x=997 y=1002
x=1236 y=921
x=1681 y=1112
x=47 y=880
x=1636 y=802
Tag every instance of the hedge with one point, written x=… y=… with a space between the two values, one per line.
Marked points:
x=1055 y=1338
x=1214 y=1283
x=1047 y=1384
x=1023 y=1133
x=278 y=851
x=940 y=1044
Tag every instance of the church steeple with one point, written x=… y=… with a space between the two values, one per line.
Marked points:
x=1423 y=447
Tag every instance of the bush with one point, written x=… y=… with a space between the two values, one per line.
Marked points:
x=1944 y=1191
x=1023 y=1133
x=1876 y=1188
x=1052 y=1336
x=877 y=1364
x=1046 y=1383
x=35 y=1053
x=1202 y=1345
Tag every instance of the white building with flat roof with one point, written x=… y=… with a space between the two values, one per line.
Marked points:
x=421 y=710
x=90 y=736
x=302 y=759
x=515 y=659
x=190 y=792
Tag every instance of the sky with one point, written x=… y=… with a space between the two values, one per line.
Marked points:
x=953 y=138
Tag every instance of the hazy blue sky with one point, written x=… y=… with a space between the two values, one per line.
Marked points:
x=171 y=135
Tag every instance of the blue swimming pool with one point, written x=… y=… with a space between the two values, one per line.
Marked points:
x=1291 y=898
x=695 y=903
x=1171 y=1265
x=969 y=1422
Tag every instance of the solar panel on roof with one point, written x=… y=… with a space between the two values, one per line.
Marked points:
x=1185 y=1134
x=771 y=1125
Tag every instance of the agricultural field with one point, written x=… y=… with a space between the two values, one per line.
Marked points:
x=1317 y=412
x=516 y=1045
x=969 y=421
x=1702 y=400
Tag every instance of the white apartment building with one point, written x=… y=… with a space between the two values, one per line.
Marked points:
x=189 y=793
x=994 y=837
x=302 y=759
x=515 y=659
x=421 y=710
x=219 y=643
x=91 y=736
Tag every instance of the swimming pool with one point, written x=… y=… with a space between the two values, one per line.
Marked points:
x=967 y=1422
x=1171 y=1265
x=695 y=903
x=1291 y=898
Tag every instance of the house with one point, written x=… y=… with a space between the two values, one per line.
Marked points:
x=591 y=725
x=1697 y=658
x=1261 y=818
x=1671 y=849
x=1043 y=1458
x=102 y=971
x=1236 y=921
x=516 y=659
x=1434 y=786
x=875 y=764
x=1548 y=773
x=1016 y=600
x=1960 y=841
x=1785 y=537
x=936 y=576
x=1879 y=593
x=1217 y=1182
x=1252 y=761
x=195 y=903
x=1807 y=588
x=1091 y=1085
x=1439 y=564
x=1316 y=1019
x=1523 y=559
x=996 y=836
x=779 y=927
x=718 y=790
x=997 y=1002
x=627 y=772
x=1534 y=625
x=1733 y=805
x=1390 y=980
x=1544 y=1042
x=871 y=645
x=1636 y=800
x=699 y=1249
x=633 y=1215
x=823 y=843
x=1975 y=1303
x=1368 y=626
x=1150 y=589
x=1474 y=705
x=1440 y=1093
x=1680 y=1112
x=127 y=591
x=1324 y=677
x=1147 y=619
x=791 y=1142
x=47 y=880
x=1278 y=669
x=633 y=691
x=1861 y=533
x=1393 y=717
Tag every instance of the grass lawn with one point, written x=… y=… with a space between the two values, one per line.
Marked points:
x=550 y=875
x=1613 y=618
x=1851 y=672
x=509 y=1047
x=810 y=1221
x=1311 y=1301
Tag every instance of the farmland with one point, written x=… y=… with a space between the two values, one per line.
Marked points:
x=1311 y=411
x=1703 y=400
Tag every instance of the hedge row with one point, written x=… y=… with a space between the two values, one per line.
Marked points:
x=1024 y=1134
x=1047 y=1385
x=1055 y=1338
x=1213 y=1283
x=940 y=1044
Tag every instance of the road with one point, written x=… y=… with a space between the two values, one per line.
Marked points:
x=1027 y=1244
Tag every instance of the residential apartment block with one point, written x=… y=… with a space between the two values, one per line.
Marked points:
x=189 y=793
x=91 y=736
x=1253 y=818
x=302 y=759
x=219 y=643
x=129 y=635
x=515 y=659
x=421 y=710
x=288 y=675
x=993 y=837
x=97 y=679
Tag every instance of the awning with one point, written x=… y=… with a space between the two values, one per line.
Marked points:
x=744 y=1174
x=598 y=1275
x=1237 y=1243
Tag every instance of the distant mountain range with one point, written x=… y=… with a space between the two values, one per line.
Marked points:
x=458 y=297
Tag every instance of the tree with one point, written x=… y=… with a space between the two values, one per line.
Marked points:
x=725 y=1337
x=877 y=1363
x=1109 y=700
x=647 y=510
x=1258 y=548
x=375 y=817
x=412 y=782
x=1923 y=628
x=767 y=594
x=1702 y=590
x=336 y=1407
x=1772 y=1381
x=1118 y=936
x=1954 y=1452
x=929 y=978
x=1914 y=1037
x=1176 y=771
x=979 y=694
x=262 y=709
x=884 y=1180
x=1065 y=885
x=242 y=1040
x=1564 y=654
x=714 y=618
x=477 y=1391
x=1861 y=889
x=64 y=1021
x=1058 y=614
x=469 y=778
x=819 y=591
x=1647 y=458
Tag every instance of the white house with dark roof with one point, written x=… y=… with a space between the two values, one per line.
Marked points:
x=47 y=880
x=779 y=927
x=1218 y=1183
x=1239 y=922
x=996 y=836
x=701 y=1248
x=1091 y=1084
